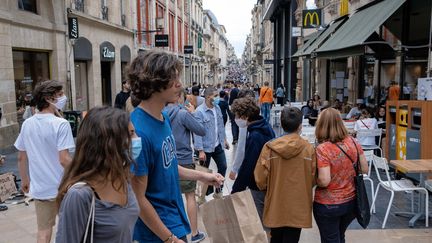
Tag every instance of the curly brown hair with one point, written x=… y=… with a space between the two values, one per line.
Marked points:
x=153 y=71
x=246 y=108
x=46 y=90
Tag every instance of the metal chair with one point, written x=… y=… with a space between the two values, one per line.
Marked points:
x=371 y=133
x=369 y=158
x=396 y=186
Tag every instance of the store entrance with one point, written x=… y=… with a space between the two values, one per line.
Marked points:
x=106 y=83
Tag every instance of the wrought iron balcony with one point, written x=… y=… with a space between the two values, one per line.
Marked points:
x=79 y=5
x=104 y=12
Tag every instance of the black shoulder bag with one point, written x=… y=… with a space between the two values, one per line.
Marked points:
x=362 y=201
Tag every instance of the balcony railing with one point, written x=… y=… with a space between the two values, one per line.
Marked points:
x=123 y=19
x=104 y=12
x=79 y=5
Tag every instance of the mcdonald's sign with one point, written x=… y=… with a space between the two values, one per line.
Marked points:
x=311 y=18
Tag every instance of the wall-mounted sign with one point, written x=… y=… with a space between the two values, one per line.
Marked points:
x=268 y=61
x=188 y=49
x=107 y=52
x=311 y=18
x=296 y=31
x=73 y=28
x=161 y=41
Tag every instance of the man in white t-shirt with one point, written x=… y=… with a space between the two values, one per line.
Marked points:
x=43 y=145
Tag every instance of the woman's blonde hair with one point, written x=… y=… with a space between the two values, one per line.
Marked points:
x=330 y=127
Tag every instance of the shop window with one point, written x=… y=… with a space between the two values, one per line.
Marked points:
x=27 y=5
x=30 y=68
x=81 y=86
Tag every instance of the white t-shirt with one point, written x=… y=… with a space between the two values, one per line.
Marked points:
x=42 y=136
x=371 y=123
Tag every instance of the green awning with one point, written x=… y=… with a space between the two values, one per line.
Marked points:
x=349 y=38
x=310 y=39
x=322 y=38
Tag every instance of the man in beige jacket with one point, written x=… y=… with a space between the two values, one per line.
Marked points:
x=286 y=169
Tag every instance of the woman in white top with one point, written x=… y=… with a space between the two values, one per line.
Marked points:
x=366 y=122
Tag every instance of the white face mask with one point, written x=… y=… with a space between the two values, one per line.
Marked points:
x=241 y=123
x=61 y=102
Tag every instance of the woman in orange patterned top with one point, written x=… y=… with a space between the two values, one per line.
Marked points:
x=334 y=203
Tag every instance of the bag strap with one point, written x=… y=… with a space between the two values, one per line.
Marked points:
x=357 y=165
x=265 y=92
x=91 y=218
x=364 y=123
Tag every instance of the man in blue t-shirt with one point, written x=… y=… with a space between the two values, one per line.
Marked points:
x=154 y=79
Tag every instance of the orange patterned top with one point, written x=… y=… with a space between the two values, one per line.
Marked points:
x=341 y=188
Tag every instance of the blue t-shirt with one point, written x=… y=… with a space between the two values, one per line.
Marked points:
x=158 y=161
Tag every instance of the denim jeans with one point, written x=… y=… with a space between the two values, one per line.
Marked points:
x=219 y=157
x=285 y=235
x=265 y=111
x=333 y=220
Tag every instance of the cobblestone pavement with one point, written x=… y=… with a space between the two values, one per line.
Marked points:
x=18 y=223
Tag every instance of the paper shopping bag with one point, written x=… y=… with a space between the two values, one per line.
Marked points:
x=233 y=219
x=201 y=188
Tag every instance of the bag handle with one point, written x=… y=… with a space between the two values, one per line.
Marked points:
x=357 y=166
x=91 y=218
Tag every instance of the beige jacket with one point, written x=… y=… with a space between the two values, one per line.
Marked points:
x=286 y=169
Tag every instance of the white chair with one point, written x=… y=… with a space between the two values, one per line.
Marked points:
x=309 y=132
x=349 y=125
x=369 y=158
x=371 y=133
x=396 y=186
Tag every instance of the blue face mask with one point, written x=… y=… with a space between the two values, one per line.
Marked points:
x=136 y=147
x=216 y=101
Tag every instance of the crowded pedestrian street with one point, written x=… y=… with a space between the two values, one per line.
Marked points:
x=215 y=121
x=18 y=224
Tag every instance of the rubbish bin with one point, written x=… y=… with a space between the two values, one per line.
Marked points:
x=401 y=137
x=74 y=118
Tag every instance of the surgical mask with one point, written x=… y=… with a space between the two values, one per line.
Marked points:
x=136 y=147
x=216 y=101
x=61 y=102
x=241 y=123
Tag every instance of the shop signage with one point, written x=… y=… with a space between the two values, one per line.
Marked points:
x=107 y=53
x=296 y=31
x=73 y=28
x=161 y=41
x=424 y=89
x=188 y=49
x=268 y=61
x=311 y=18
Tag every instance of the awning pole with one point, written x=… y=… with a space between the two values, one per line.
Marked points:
x=429 y=50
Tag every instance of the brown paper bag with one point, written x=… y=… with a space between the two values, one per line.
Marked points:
x=201 y=188
x=233 y=219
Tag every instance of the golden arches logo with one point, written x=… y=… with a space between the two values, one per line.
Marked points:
x=312 y=16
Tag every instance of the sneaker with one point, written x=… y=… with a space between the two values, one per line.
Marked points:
x=4 y=208
x=198 y=237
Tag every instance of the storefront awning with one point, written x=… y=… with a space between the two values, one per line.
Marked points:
x=310 y=39
x=349 y=39
x=322 y=38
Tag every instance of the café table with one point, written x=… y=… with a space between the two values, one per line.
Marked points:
x=422 y=167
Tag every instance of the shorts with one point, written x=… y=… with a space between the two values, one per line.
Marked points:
x=187 y=186
x=46 y=211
